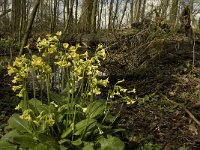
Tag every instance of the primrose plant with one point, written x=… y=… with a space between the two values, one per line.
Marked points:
x=71 y=117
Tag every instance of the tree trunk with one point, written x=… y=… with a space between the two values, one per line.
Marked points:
x=76 y=15
x=29 y=27
x=100 y=16
x=16 y=14
x=110 y=15
x=84 y=24
x=143 y=9
x=173 y=12
x=123 y=13
x=131 y=12
x=70 y=20
x=116 y=12
x=165 y=5
x=93 y=19
x=137 y=10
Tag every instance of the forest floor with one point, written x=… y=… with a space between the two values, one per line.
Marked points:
x=166 y=111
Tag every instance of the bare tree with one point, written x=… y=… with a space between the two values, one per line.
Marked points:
x=29 y=27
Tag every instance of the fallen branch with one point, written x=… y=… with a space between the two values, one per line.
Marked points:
x=186 y=110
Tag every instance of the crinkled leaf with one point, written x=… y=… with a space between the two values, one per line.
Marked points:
x=84 y=125
x=88 y=146
x=95 y=109
x=19 y=124
x=33 y=104
x=4 y=145
x=67 y=107
x=49 y=141
x=57 y=98
x=111 y=143
x=63 y=148
x=41 y=147
x=110 y=118
x=10 y=134
x=24 y=141
x=43 y=108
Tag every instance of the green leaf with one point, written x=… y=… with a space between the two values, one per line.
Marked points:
x=43 y=108
x=34 y=104
x=110 y=118
x=57 y=98
x=111 y=143
x=84 y=125
x=66 y=141
x=77 y=142
x=10 y=134
x=48 y=140
x=108 y=129
x=63 y=148
x=95 y=109
x=67 y=132
x=41 y=147
x=68 y=107
x=19 y=124
x=24 y=141
x=88 y=146
x=4 y=145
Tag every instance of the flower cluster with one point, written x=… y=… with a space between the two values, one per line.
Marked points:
x=83 y=69
x=21 y=69
x=42 y=118
x=48 y=45
x=48 y=119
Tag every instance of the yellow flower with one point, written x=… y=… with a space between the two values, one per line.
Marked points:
x=80 y=78
x=123 y=90
x=39 y=39
x=97 y=91
x=11 y=70
x=100 y=131
x=59 y=33
x=26 y=115
x=84 y=109
x=102 y=53
x=120 y=81
x=53 y=39
x=17 y=79
x=65 y=45
x=104 y=82
x=100 y=46
x=15 y=88
x=52 y=49
x=130 y=101
x=54 y=104
x=27 y=46
x=36 y=122
x=21 y=93
x=50 y=121
x=94 y=81
x=72 y=49
x=48 y=35
x=117 y=93
x=18 y=107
